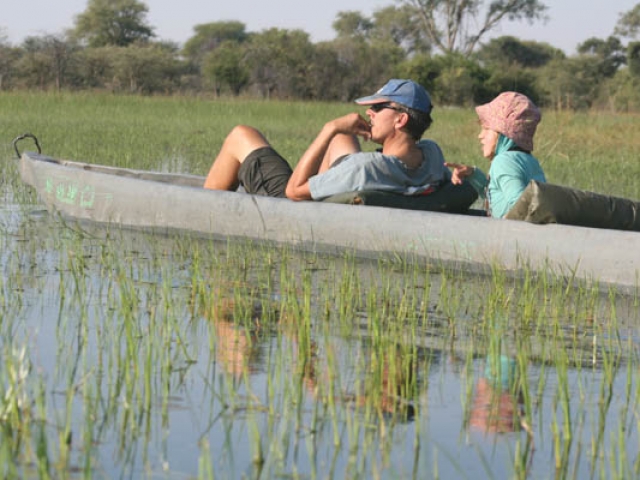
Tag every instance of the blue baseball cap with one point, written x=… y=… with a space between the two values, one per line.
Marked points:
x=403 y=92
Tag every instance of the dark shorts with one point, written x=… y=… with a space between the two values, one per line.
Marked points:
x=265 y=172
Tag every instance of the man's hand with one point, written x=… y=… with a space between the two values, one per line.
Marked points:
x=352 y=124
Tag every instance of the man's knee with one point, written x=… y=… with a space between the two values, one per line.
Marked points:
x=244 y=139
x=244 y=131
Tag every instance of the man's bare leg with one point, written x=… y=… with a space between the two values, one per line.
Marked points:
x=340 y=145
x=240 y=142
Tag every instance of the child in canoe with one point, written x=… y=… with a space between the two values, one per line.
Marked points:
x=508 y=125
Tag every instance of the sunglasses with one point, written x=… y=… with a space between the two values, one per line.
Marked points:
x=378 y=107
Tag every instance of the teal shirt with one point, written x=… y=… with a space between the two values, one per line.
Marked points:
x=509 y=174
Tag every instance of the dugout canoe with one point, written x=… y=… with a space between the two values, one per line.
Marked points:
x=177 y=202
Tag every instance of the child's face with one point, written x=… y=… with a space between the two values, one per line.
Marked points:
x=488 y=140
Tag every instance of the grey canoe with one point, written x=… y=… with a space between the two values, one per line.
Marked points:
x=165 y=202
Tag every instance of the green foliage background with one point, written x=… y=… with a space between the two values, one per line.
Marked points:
x=112 y=48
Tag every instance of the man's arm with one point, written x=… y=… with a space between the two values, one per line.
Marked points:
x=309 y=163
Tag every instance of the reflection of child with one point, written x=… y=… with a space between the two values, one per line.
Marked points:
x=496 y=407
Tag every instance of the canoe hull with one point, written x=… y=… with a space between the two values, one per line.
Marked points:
x=156 y=201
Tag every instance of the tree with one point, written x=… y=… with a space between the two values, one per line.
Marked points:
x=113 y=22
x=209 y=36
x=365 y=66
x=401 y=27
x=451 y=24
x=452 y=79
x=46 y=60
x=572 y=83
x=510 y=51
x=609 y=53
x=320 y=85
x=144 y=68
x=633 y=59
x=95 y=67
x=352 y=24
x=628 y=25
x=513 y=64
x=391 y=25
x=514 y=79
x=224 y=66
x=623 y=91
x=8 y=57
x=34 y=67
x=278 y=60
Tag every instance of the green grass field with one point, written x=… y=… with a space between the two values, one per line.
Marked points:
x=594 y=151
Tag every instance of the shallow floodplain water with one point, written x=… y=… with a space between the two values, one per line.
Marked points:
x=127 y=355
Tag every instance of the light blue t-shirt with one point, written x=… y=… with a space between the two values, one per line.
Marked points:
x=509 y=174
x=375 y=171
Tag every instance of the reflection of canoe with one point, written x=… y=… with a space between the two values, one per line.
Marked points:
x=164 y=202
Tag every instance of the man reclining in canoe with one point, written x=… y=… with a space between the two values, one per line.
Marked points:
x=399 y=113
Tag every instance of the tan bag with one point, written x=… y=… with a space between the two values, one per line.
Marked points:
x=548 y=203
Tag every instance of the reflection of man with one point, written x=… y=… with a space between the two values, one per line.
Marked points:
x=496 y=406
x=387 y=385
x=392 y=394
x=237 y=346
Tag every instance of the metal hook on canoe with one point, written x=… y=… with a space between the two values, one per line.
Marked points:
x=22 y=137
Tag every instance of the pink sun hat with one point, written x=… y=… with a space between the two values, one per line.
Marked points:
x=512 y=114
